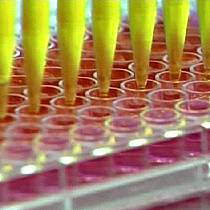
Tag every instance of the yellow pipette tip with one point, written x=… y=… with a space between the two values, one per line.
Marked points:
x=69 y=101
x=70 y=94
x=141 y=80
x=104 y=94
x=34 y=102
x=174 y=76
x=3 y=99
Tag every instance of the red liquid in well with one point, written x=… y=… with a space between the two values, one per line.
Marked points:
x=192 y=43
x=15 y=100
x=124 y=41
x=87 y=67
x=131 y=88
x=17 y=84
x=85 y=84
x=26 y=115
x=188 y=59
x=62 y=108
x=118 y=76
x=49 y=92
x=97 y=99
x=155 y=67
x=122 y=58
x=53 y=57
x=158 y=50
x=52 y=75
x=5 y=122
x=166 y=83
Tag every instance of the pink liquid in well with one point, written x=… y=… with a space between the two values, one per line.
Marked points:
x=199 y=72
x=166 y=97
x=131 y=161
x=15 y=100
x=125 y=129
x=191 y=109
x=193 y=143
x=62 y=108
x=166 y=152
x=24 y=188
x=23 y=132
x=130 y=106
x=59 y=123
x=197 y=90
x=19 y=188
x=95 y=114
x=98 y=169
x=131 y=89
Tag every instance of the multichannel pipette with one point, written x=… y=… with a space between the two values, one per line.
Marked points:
x=35 y=35
x=105 y=23
x=142 y=14
x=71 y=30
x=175 y=15
x=204 y=26
x=7 y=45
